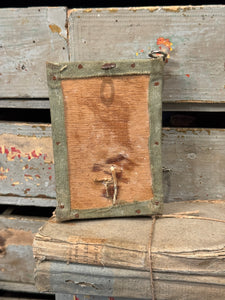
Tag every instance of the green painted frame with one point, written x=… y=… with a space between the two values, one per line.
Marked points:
x=64 y=71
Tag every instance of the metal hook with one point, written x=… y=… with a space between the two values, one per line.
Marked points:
x=156 y=53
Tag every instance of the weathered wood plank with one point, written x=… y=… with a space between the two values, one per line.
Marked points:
x=30 y=37
x=24 y=103
x=15 y=286
x=86 y=297
x=64 y=297
x=195 y=71
x=27 y=165
x=113 y=282
x=28 y=201
x=24 y=297
x=44 y=104
x=203 y=107
x=113 y=259
x=192 y=159
x=16 y=256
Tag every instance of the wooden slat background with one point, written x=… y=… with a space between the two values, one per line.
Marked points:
x=192 y=159
x=16 y=255
x=26 y=165
x=195 y=71
x=29 y=37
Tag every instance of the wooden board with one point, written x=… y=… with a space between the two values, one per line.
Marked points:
x=30 y=37
x=25 y=103
x=192 y=161
x=106 y=125
x=190 y=157
x=195 y=71
x=27 y=166
x=111 y=257
x=16 y=256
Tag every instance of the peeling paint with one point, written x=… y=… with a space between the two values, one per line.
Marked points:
x=2 y=170
x=15 y=183
x=161 y=41
x=13 y=152
x=113 y=10
x=87 y=10
x=55 y=28
x=177 y=8
x=149 y=8
x=28 y=176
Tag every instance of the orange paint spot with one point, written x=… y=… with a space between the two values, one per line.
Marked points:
x=37 y=176
x=54 y=28
x=142 y=51
x=50 y=177
x=165 y=42
x=188 y=75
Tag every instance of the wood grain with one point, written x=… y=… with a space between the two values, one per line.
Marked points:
x=16 y=257
x=106 y=127
x=27 y=165
x=30 y=37
x=190 y=157
x=195 y=70
x=192 y=161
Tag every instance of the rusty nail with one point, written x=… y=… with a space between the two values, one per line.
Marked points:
x=108 y=66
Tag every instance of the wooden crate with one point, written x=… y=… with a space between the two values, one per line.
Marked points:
x=194 y=81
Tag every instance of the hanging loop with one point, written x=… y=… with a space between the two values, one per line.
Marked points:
x=158 y=53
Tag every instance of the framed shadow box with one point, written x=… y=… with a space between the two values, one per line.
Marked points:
x=106 y=127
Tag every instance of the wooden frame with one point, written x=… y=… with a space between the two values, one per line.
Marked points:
x=56 y=74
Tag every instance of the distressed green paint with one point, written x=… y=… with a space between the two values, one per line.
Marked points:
x=66 y=71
